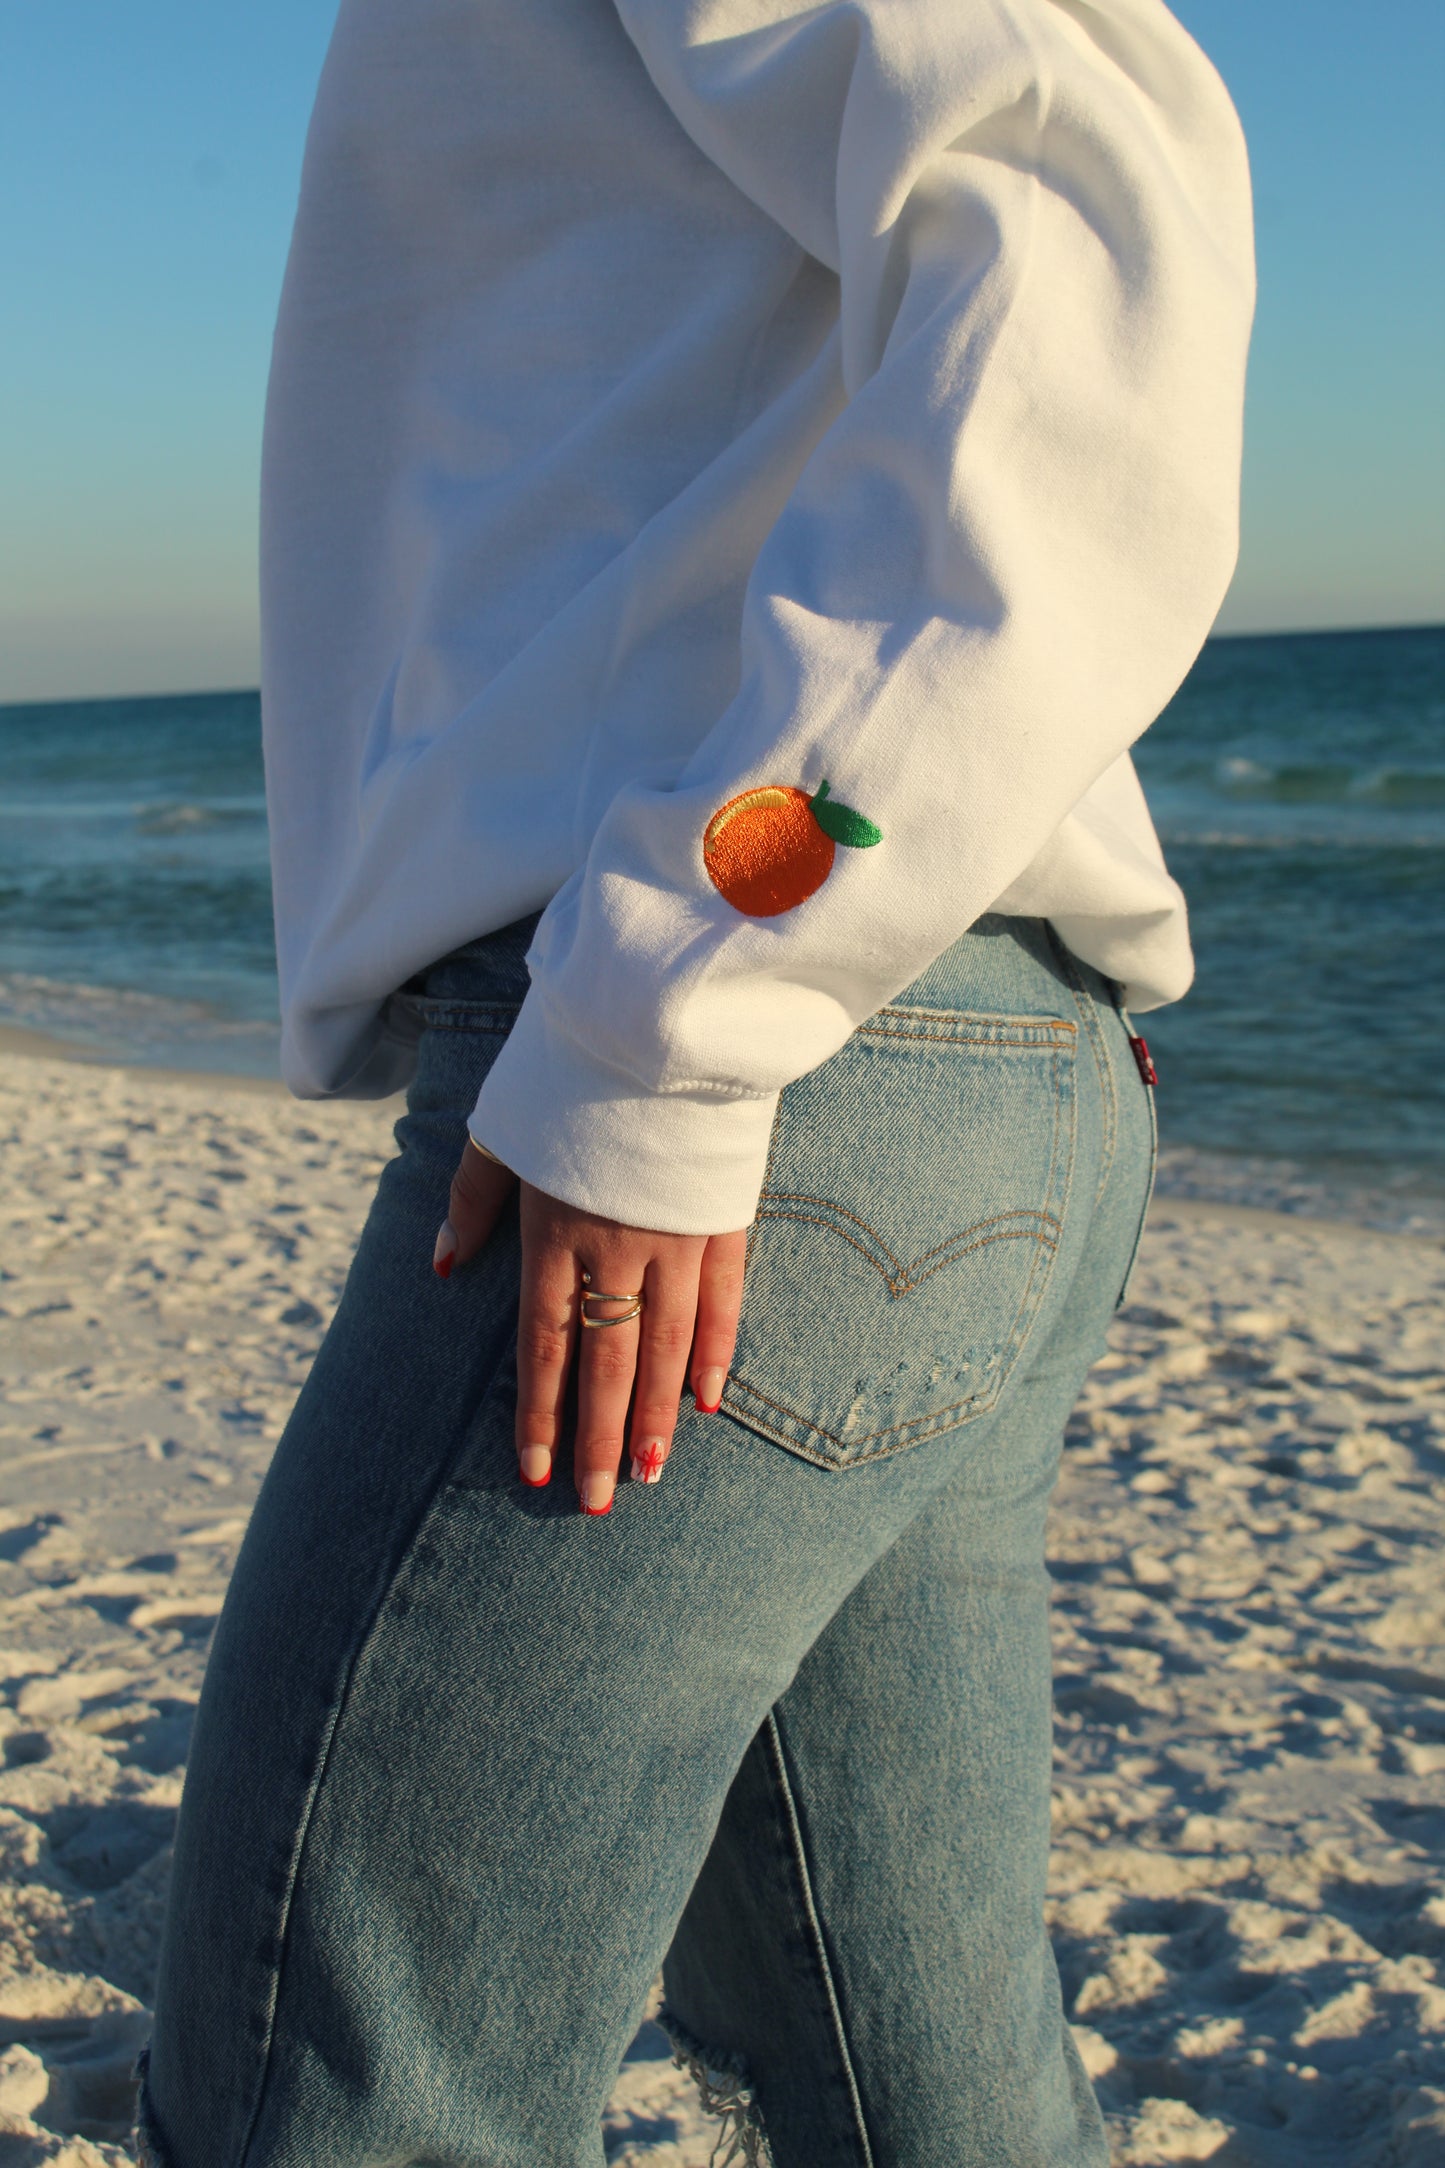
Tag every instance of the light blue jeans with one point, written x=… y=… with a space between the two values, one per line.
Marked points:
x=470 y=1765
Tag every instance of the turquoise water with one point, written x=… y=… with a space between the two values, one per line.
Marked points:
x=1298 y=783
x=135 y=890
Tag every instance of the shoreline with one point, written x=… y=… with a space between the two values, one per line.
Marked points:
x=32 y=1045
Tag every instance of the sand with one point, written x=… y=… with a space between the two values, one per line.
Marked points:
x=1248 y=1898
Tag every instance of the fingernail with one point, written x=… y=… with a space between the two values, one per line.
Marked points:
x=647 y=1465
x=445 y=1253
x=708 y=1390
x=536 y=1465
x=597 y=1492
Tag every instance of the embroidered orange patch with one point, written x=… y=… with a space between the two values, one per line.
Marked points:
x=769 y=849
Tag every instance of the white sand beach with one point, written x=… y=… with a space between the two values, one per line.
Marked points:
x=1248 y=1891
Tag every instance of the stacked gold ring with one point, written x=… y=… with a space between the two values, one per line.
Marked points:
x=595 y=1294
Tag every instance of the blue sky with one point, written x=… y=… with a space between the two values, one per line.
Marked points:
x=148 y=162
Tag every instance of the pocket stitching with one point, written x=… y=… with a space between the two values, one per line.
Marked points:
x=847 y=1454
x=855 y=1459
x=1016 y=1335
x=1049 y=1029
x=983 y=1020
x=902 y=1281
x=1092 y=1017
x=767 y=1171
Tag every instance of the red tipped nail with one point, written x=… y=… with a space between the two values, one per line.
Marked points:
x=596 y=1493
x=536 y=1482
x=443 y=1267
x=708 y=1391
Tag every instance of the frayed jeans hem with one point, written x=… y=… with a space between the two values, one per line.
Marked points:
x=725 y=2092
x=144 y=2143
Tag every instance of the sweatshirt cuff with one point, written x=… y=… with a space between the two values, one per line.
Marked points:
x=677 y=1162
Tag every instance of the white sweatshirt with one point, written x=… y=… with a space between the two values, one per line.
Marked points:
x=679 y=406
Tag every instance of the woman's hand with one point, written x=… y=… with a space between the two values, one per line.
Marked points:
x=691 y=1288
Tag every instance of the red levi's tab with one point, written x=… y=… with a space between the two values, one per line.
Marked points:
x=1142 y=1059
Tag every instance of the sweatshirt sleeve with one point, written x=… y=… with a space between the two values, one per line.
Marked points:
x=994 y=570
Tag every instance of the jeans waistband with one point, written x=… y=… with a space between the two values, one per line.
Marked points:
x=493 y=968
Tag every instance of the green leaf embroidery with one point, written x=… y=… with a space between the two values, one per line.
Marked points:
x=841 y=822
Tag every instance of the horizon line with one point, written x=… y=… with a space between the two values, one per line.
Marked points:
x=223 y=692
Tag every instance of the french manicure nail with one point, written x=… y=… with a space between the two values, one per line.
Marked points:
x=445 y=1253
x=647 y=1465
x=708 y=1390
x=597 y=1492
x=536 y=1465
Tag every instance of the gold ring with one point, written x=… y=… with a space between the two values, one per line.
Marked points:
x=595 y=1294
x=476 y=1147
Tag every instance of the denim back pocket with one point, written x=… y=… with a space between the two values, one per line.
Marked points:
x=907 y=1229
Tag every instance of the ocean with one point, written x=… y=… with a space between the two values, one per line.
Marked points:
x=1298 y=783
